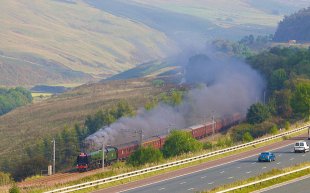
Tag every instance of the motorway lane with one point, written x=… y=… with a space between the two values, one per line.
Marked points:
x=227 y=173
x=299 y=186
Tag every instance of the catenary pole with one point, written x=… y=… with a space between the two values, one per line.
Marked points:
x=54 y=156
x=103 y=156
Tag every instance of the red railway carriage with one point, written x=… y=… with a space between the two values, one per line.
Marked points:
x=162 y=140
x=154 y=142
x=124 y=151
x=198 y=131
x=209 y=128
x=218 y=125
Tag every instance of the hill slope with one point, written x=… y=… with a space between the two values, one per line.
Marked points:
x=294 y=27
x=62 y=41
x=43 y=35
x=24 y=126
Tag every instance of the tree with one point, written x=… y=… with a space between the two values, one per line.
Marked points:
x=179 y=142
x=257 y=113
x=283 y=103
x=277 y=79
x=145 y=155
x=29 y=167
x=301 y=99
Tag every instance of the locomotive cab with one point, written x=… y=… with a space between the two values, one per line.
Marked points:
x=82 y=162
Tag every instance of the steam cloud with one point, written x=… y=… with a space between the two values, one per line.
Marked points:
x=227 y=86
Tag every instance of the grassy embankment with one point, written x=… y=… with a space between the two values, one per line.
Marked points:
x=121 y=168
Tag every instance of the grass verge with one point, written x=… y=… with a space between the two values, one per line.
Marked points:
x=264 y=176
x=122 y=169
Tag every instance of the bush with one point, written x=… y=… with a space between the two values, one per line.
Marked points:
x=224 y=142
x=14 y=189
x=274 y=130
x=145 y=155
x=179 y=142
x=247 y=137
x=258 y=113
x=5 y=179
x=30 y=167
x=207 y=145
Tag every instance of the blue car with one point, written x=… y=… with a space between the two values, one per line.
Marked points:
x=266 y=156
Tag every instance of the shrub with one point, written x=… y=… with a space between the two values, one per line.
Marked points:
x=257 y=113
x=247 y=137
x=179 y=142
x=145 y=155
x=14 y=189
x=5 y=179
x=207 y=145
x=273 y=130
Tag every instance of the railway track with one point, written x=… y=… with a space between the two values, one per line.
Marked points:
x=59 y=178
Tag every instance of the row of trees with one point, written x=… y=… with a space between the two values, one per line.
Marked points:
x=13 y=98
x=70 y=141
x=294 y=27
x=287 y=71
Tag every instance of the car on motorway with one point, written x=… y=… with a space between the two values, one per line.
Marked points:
x=266 y=156
x=301 y=146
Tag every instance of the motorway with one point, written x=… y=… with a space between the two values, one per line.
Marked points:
x=215 y=173
x=300 y=185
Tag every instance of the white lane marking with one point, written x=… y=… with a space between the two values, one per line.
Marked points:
x=222 y=172
x=238 y=167
x=211 y=183
x=253 y=163
x=292 y=159
x=191 y=189
x=304 y=155
x=279 y=163
x=161 y=189
x=264 y=167
x=279 y=155
x=203 y=177
x=183 y=183
x=226 y=163
x=231 y=177
x=248 y=172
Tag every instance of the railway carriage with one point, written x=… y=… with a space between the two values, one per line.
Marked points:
x=122 y=152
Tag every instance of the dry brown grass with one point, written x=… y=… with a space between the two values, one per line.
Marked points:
x=24 y=126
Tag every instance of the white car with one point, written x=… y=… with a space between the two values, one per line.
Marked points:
x=301 y=146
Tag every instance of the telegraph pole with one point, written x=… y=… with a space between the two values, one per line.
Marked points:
x=140 y=132
x=54 y=156
x=213 y=128
x=309 y=133
x=103 y=156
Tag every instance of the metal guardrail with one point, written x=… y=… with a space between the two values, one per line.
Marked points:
x=263 y=180
x=172 y=164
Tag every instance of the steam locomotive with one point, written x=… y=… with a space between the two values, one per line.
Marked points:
x=122 y=152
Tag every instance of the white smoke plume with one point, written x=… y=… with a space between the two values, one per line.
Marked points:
x=228 y=86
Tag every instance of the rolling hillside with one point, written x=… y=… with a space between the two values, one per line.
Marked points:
x=69 y=41
x=22 y=126
x=65 y=41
